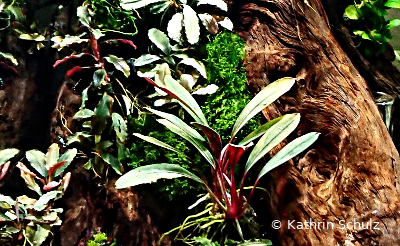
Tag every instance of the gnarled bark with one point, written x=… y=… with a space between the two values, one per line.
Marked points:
x=351 y=173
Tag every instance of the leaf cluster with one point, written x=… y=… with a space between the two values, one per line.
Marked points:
x=367 y=21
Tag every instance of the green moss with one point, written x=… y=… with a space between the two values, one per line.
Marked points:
x=225 y=68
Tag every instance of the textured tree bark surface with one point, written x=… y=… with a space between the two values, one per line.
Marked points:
x=351 y=173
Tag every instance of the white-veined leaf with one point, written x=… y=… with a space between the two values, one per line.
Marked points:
x=209 y=23
x=159 y=7
x=37 y=160
x=7 y=154
x=289 y=151
x=264 y=98
x=191 y=23
x=217 y=3
x=119 y=63
x=145 y=59
x=137 y=4
x=199 y=66
x=273 y=136
x=175 y=26
x=151 y=173
x=160 y=39
x=209 y=89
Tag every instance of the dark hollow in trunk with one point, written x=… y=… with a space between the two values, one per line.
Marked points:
x=351 y=173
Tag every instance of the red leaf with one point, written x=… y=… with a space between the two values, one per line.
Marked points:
x=51 y=185
x=58 y=62
x=213 y=138
x=122 y=41
x=74 y=70
x=55 y=167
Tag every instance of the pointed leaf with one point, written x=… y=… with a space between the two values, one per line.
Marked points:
x=38 y=161
x=54 y=168
x=195 y=64
x=58 y=62
x=226 y=23
x=185 y=99
x=101 y=114
x=52 y=155
x=272 y=137
x=160 y=40
x=191 y=23
x=83 y=114
x=209 y=23
x=29 y=178
x=99 y=77
x=395 y=4
x=175 y=26
x=264 y=98
x=145 y=59
x=178 y=123
x=158 y=143
x=213 y=137
x=289 y=151
x=84 y=16
x=159 y=7
x=120 y=127
x=197 y=143
x=113 y=162
x=68 y=157
x=151 y=173
x=41 y=204
x=9 y=57
x=7 y=154
x=119 y=63
x=217 y=3
x=259 y=131
x=137 y=4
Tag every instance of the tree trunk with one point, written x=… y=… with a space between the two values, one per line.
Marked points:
x=351 y=173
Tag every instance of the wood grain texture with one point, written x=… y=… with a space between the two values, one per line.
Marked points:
x=351 y=173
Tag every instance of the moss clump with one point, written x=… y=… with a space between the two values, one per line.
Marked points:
x=225 y=69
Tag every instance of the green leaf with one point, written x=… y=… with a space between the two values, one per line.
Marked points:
x=113 y=162
x=264 y=98
x=7 y=200
x=137 y=4
x=160 y=40
x=159 y=7
x=213 y=137
x=41 y=204
x=152 y=173
x=34 y=36
x=103 y=145
x=29 y=178
x=120 y=127
x=195 y=64
x=99 y=76
x=145 y=59
x=362 y=34
x=119 y=63
x=198 y=144
x=101 y=115
x=217 y=3
x=7 y=154
x=83 y=114
x=84 y=15
x=352 y=12
x=158 y=143
x=272 y=137
x=395 y=4
x=68 y=156
x=38 y=161
x=52 y=155
x=392 y=23
x=259 y=131
x=191 y=23
x=40 y=235
x=178 y=123
x=289 y=151
x=84 y=97
x=175 y=26
x=185 y=100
